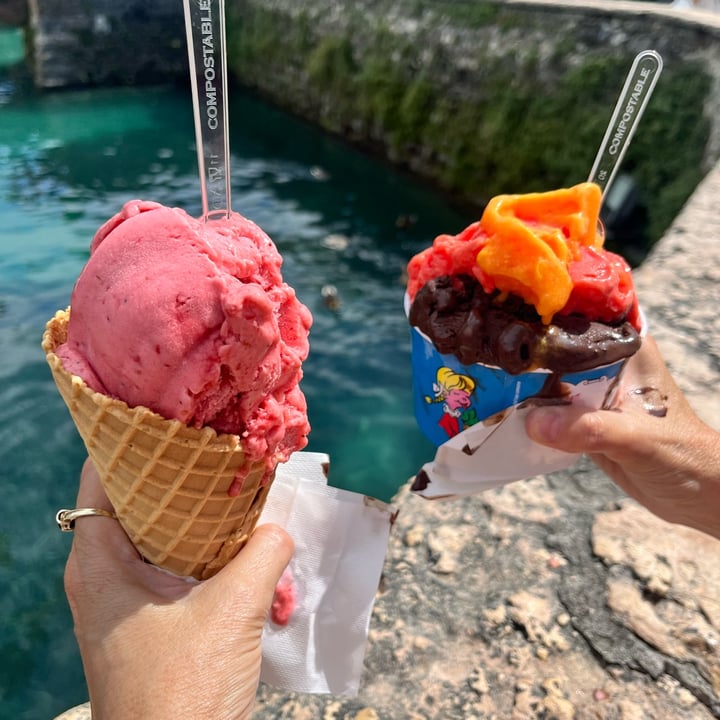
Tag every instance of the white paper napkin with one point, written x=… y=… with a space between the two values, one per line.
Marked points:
x=497 y=450
x=341 y=539
x=488 y=456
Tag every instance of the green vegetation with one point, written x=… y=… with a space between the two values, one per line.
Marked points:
x=470 y=13
x=666 y=155
x=331 y=64
x=511 y=125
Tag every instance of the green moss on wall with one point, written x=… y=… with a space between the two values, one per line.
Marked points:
x=469 y=13
x=666 y=154
x=262 y=41
x=331 y=66
x=504 y=129
x=379 y=88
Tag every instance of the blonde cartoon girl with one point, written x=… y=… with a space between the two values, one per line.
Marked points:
x=455 y=392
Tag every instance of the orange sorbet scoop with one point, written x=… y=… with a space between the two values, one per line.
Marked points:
x=532 y=239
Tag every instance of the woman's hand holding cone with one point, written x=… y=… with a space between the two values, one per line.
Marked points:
x=157 y=646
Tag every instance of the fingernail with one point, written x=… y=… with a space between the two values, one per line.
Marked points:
x=543 y=425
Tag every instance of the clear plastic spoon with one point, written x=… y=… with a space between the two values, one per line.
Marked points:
x=205 y=28
x=636 y=92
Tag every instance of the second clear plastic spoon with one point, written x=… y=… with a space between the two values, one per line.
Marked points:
x=636 y=92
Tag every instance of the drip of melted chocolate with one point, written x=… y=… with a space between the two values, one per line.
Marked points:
x=421 y=482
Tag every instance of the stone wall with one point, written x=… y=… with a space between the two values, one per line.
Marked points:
x=679 y=34
x=13 y=13
x=486 y=97
x=679 y=284
x=99 y=42
x=464 y=46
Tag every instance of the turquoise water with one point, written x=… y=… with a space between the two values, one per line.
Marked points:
x=69 y=160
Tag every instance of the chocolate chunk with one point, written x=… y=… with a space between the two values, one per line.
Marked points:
x=463 y=320
x=420 y=482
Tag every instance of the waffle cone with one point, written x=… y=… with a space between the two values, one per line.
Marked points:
x=167 y=482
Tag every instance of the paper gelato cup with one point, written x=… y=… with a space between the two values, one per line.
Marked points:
x=475 y=415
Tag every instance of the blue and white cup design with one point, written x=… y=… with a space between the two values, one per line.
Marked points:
x=450 y=397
